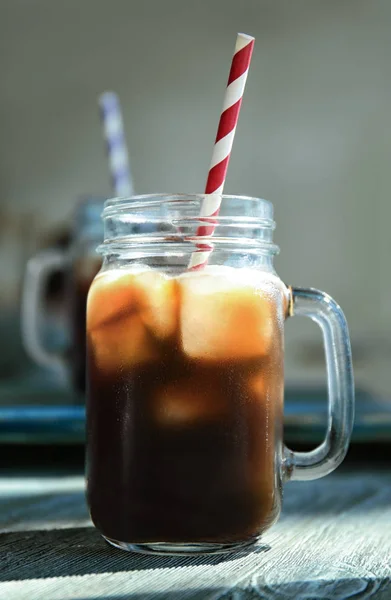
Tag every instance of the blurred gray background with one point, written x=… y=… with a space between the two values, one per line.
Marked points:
x=314 y=135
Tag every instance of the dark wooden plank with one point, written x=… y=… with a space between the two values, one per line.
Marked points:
x=43 y=511
x=333 y=541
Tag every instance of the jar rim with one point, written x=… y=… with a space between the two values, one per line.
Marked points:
x=119 y=203
x=176 y=219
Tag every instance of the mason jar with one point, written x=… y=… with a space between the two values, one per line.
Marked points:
x=185 y=449
x=79 y=263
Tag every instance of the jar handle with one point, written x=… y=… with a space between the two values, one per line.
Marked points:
x=38 y=269
x=322 y=309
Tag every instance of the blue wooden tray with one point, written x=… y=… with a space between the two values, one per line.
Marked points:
x=53 y=416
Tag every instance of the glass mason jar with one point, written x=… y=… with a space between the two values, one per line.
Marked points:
x=186 y=378
x=79 y=263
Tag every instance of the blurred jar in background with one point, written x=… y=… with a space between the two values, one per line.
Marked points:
x=17 y=243
x=65 y=272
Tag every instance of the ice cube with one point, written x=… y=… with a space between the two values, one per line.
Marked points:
x=149 y=293
x=258 y=386
x=158 y=300
x=188 y=402
x=112 y=295
x=227 y=315
x=122 y=344
x=127 y=314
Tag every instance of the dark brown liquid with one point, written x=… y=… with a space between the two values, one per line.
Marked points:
x=183 y=450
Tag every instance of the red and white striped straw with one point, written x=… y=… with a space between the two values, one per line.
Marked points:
x=223 y=145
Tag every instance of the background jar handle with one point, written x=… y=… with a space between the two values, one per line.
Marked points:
x=38 y=270
x=322 y=309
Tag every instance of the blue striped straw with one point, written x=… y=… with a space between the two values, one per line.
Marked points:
x=117 y=151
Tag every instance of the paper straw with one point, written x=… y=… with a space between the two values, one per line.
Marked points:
x=117 y=152
x=223 y=145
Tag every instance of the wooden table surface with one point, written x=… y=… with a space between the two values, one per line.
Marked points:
x=333 y=541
